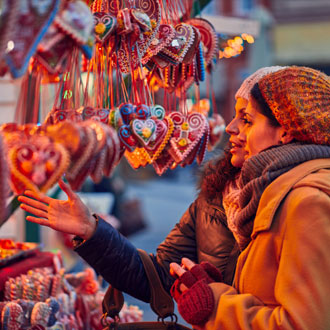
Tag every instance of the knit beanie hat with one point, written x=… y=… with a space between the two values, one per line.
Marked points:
x=248 y=83
x=299 y=98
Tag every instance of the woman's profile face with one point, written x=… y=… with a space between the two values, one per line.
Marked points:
x=237 y=143
x=258 y=131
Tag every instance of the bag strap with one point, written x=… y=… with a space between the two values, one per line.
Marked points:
x=160 y=301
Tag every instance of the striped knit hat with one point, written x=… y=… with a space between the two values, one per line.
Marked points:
x=299 y=98
x=248 y=83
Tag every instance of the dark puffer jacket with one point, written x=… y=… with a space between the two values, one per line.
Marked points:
x=201 y=235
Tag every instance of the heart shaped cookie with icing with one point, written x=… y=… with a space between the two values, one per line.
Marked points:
x=104 y=26
x=164 y=36
x=77 y=21
x=32 y=21
x=37 y=165
x=101 y=115
x=143 y=130
x=180 y=44
x=188 y=131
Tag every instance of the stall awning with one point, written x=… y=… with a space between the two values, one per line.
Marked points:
x=302 y=43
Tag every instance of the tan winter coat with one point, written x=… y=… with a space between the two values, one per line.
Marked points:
x=282 y=278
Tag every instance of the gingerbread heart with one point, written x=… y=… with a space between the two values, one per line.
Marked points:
x=101 y=115
x=180 y=44
x=104 y=26
x=77 y=21
x=208 y=37
x=188 y=131
x=33 y=19
x=127 y=138
x=163 y=162
x=161 y=138
x=127 y=112
x=37 y=165
x=162 y=39
x=135 y=42
x=61 y=115
x=143 y=130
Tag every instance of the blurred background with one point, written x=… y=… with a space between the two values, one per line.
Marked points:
x=144 y=206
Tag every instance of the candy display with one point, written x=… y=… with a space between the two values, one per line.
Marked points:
x=44 y=299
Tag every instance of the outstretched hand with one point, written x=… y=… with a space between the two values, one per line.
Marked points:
x=71 y=216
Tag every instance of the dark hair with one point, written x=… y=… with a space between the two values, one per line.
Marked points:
x=263 y=107
x=216 y=174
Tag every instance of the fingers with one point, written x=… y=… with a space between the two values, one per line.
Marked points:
x=176 y=269
x=40 y=221
x=38 y=196
x=35 y=211
x=33 y=202
x=187 y=263
x=67 y=189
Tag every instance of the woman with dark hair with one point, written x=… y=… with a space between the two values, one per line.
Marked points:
x=118 y=261
x=282 y=274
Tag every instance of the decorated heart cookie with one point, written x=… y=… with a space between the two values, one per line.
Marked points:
x=104 y=26
x=209 y=37
x=76 y=20
x=126 y=136
x=188 y=131
x=162 y=39
x=127 y=112
x=180 y=44
x=57 y=116
x=138 y=27
x=160 y=139
x=33 y=20
x=36 y=165
x=143 y=130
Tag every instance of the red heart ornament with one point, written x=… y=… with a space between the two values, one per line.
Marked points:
x=104 y=26
x=133 y=47
x=113 y=151
x=77 y=21
x=37 y=165
x=143 y=130
x=33 y=19
x=208 y=37
x=162 y=39
x=101 y=115
x=188 y=131
x=180 y=44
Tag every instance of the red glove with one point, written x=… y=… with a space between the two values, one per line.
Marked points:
x=197 y=303
x=204 y=270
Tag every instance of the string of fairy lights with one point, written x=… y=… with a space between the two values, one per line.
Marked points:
x=233 y=46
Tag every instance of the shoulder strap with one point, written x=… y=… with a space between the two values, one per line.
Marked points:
x=160 y=301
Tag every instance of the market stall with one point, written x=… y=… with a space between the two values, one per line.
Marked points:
x=105 y=65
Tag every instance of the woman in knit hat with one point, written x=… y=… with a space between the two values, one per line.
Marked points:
x=187 y=238
x=282 y=274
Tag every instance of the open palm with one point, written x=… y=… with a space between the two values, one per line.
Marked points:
x=71 y=216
